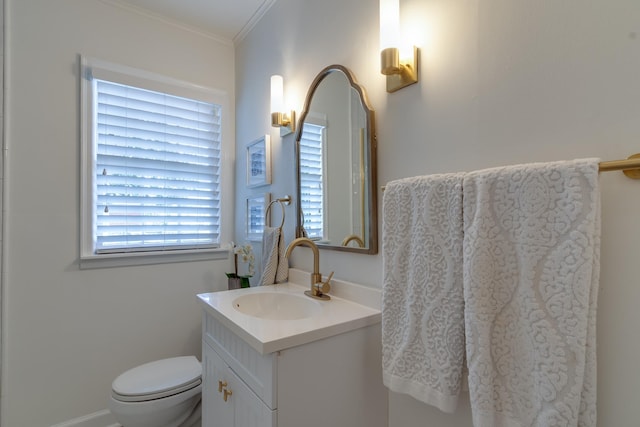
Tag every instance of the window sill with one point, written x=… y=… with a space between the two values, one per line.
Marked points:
x=88 y=262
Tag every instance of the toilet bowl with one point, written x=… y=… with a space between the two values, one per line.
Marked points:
x=164 y=393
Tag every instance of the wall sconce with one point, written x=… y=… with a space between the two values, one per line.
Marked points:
x=280 y=119
x=400 y=66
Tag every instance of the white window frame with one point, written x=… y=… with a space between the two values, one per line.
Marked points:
x=91 y=68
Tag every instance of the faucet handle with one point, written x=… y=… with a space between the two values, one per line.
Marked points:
x=325 y=287
x=330 y=276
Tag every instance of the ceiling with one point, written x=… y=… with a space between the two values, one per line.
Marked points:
x=226 y=19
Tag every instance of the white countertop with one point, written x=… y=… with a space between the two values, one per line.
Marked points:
x=336 y=316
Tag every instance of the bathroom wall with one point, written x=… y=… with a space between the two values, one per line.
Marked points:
x=1 y=166
x=502 y=82
x=69 y=332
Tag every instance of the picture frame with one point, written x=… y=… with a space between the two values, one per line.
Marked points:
x=256 y=220
x=259 y=162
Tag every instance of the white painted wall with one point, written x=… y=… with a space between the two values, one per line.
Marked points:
x=502 y=82
x=1 y=172
x=68 y=333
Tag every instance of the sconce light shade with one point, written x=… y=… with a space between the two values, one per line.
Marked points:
x=279 y=118
x=401 y=68
x=277 y=93
x=389 y=23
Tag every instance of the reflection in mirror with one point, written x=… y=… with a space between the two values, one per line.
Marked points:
x=336 y=165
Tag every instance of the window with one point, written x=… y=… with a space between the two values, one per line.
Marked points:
x=151 y=164
x=311 y=180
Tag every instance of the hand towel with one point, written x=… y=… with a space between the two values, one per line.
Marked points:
x=531 y=270
x=422 y=301
x=275 y=267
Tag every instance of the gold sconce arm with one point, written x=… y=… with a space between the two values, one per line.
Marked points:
x=400 y=72
x=286 y=122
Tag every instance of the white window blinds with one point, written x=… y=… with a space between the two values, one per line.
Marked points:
x=311 y=180
x=157 y=170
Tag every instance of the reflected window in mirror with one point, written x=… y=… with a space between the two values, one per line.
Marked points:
x=312 y=180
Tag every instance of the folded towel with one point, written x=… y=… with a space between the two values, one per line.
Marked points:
x=531 y=251
x=275 y=268
x=422 y=301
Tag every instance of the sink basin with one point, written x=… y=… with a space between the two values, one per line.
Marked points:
x=276 y=306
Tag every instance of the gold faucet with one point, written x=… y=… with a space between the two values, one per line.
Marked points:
x=355 y=238
x=319 y=288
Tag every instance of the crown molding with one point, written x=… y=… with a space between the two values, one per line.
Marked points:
x=257 y=16
x=170 y=21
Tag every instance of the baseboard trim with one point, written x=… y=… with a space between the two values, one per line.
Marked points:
x=97 y=419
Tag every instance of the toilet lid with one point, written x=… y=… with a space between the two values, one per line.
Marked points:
x=158 y=379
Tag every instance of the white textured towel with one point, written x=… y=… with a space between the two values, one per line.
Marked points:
x=275 y=267
x=531 y=266
x=422 y=302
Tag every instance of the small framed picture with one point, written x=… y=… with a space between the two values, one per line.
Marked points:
x=256 y=216
x=259 y=162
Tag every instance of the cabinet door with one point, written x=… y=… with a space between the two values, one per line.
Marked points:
x=215 y=411
x=242 y=408
x=249 y=410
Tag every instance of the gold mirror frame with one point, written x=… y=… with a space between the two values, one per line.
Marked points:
x=370 y=175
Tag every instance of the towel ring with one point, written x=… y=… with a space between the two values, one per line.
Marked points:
x=282 y=201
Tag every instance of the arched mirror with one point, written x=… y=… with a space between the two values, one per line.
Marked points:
x=336 y=165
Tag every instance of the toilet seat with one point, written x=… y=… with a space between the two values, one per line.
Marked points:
x=158 y=379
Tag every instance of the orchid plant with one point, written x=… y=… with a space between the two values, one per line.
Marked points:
x=245 y=252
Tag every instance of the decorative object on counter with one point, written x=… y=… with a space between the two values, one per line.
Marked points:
x=275 y=266
x=259 y=162
x=237 y=281
x=257 y=217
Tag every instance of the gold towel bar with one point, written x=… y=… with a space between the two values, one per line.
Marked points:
x=630 y=166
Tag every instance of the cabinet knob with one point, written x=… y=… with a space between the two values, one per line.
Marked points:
x=221 y=385
x=227 y=393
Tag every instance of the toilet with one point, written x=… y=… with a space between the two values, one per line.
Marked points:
x=163 y=393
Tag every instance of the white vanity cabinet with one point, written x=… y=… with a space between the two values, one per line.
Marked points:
x=332 y=381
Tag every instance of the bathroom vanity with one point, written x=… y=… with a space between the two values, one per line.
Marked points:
x=274 y=357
